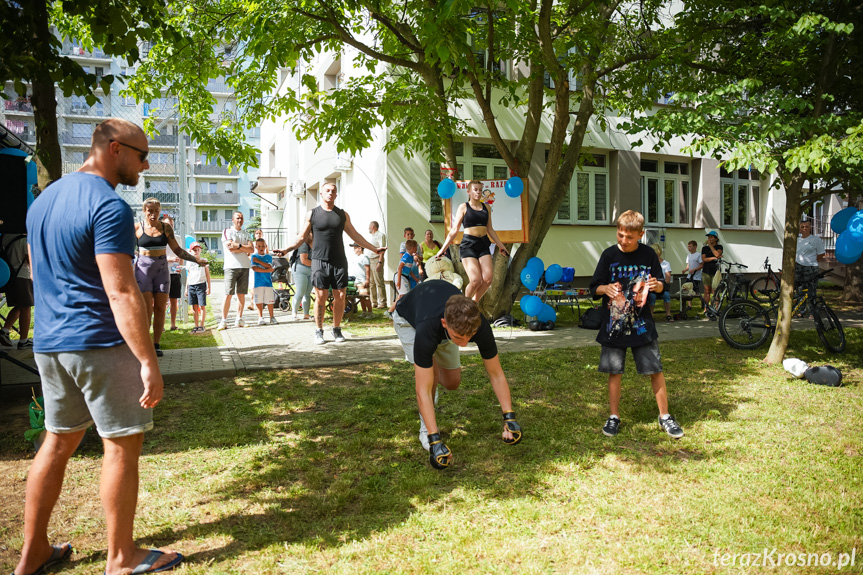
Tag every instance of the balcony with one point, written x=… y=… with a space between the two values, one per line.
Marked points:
x=161 y=169
x=82 y=109
x=76 y=139
x=214 y=226
x=167 y=140
x=22 y=105
x=216 y=199
x=210 y=170
x=219 y=87
x=69 y=167
x=163 y=197
x=68 y=50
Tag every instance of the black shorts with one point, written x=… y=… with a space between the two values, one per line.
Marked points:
x=474 y=247
x=326 y=275
x=176 y=289
x=19 y=292
x=647 y=359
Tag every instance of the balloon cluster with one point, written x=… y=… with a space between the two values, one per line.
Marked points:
x=848 y=224
x=530 y=304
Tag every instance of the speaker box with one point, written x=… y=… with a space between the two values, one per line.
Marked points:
x=13 y=199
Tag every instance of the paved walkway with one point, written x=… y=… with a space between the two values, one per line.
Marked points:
x=290 y=345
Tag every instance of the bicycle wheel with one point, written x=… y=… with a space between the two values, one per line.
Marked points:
x=764 y=289
x=745 y=325
x=828 y=327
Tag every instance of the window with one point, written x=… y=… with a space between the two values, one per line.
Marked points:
x=229 y=188
x=435 y=203
x=741 y=198
x=587 y=199
x=82 y=130
x=666 y=198
x=253 y=213
x=209 y=188
x=209 y=215
x=229 y=214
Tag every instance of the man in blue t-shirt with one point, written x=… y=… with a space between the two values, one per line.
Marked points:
x=92 y=346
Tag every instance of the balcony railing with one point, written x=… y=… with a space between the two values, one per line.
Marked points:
x=80 y=109
x=69 y=167
x=167 y=140
x=210 y=170
x=19 y=105
x=213 y=226
x=163 y=197
x=214 y=86
x=216 y=199
x=70 y=138
x=162 y=169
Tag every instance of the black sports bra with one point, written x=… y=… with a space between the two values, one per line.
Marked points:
x=473 y=218
x=152 y=243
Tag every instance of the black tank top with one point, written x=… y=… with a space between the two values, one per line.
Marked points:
x=152 y=243
x=327 y=230
x=474 y=217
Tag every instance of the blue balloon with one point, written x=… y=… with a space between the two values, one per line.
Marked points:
x=553 y=274
x=855 y=227
x=5 y=273
x=189 y=240
x=547 y=313
x=848 y=251
x=535 y=264
x=530 y=278
x=840 y=219
x=30 y=198
x=530 y=305
x=514 y=187
x=446 y=188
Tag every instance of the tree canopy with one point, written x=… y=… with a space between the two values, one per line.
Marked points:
x=775 y=86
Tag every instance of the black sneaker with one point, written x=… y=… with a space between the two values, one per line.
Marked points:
x=337 y=335
x=159 y=352
x=611 y=427
x=671 y=428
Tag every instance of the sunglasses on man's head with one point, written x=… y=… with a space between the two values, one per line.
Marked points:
x=142 y=154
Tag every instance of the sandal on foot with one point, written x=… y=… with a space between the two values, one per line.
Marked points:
x=669 y=319
x=58 y=553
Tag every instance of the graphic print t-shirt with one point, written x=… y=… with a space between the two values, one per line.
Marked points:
x=625 y=322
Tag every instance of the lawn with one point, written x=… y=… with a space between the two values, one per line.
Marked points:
x=320 y=471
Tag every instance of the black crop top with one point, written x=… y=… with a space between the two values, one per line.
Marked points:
x=474 y=217
x=150 y=242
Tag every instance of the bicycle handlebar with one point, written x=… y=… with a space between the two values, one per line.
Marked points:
x=728 y=263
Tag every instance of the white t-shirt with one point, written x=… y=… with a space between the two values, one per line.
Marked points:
x=693 y=261
x=666 y=268
x=195 y=274
x=378 y=240
x=238 y=260
x=808 y=250
x=362 y=262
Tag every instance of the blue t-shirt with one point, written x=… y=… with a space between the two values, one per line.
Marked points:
x=72 y=221
x=410 y=267
x=262 y=279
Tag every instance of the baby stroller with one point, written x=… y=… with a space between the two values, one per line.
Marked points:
x=284 y=291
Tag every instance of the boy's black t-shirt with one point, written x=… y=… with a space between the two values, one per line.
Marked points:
x=709 y=267
x=423 y=307
x=624 y=324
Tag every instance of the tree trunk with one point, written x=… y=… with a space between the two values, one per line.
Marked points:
x=853 y=291
x=44 y=101
x=793 y=193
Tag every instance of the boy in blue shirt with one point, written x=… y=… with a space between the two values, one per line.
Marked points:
x=625 y=275
x=262 y=265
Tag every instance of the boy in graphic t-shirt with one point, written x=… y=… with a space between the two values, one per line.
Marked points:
x=198 y=279
x=262 y=265
x=625 y=276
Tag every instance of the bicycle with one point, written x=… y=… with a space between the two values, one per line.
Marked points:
x=729 y=289
x=747 y=325
x=766 y=289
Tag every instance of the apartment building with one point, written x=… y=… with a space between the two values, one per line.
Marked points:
x=199 y=193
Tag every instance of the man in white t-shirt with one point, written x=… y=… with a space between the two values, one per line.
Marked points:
x=377 y=287
x=810 y=251
x=237 y=246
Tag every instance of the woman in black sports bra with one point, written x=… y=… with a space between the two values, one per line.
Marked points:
x=475 y=248
x=151 y=265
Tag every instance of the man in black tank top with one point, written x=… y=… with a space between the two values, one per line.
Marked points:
x=326 y=224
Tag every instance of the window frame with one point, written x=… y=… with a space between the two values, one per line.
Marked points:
x=591 y=172
x=681 y=187
x=736 y=182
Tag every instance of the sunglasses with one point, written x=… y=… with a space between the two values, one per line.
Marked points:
x=142 y=154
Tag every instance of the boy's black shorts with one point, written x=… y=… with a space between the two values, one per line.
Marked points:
x=612 y=360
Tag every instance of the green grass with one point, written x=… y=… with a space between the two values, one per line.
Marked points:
x=320 y=470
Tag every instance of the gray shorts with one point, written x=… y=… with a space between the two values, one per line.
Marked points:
x=236 y=281
x=100 y=386
x=446 y=355
x=647 y=359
